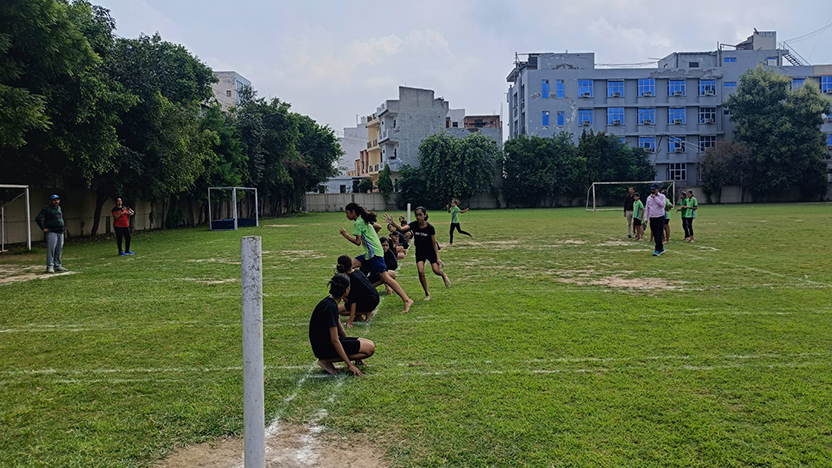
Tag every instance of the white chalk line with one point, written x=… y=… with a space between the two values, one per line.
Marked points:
x=444 y=364
x=543 y=315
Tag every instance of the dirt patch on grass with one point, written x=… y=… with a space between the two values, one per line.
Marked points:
x=210 y=281
x=17 y=273
x=292 y=447
x=214 y=260
x=625 y=283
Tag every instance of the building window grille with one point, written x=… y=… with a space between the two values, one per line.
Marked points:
x=706 y=142
x=729 y=60
x=545 y=118
x=585 y=88
x=615 y=88
x=615 y=116
x=826 y=84
x=648 y=143
x=707 y=87
x=559 y=85
x=647 y=87
x=797 y=83
x=677 y=171
x=544 y=88
x=585 y=117
x=676 y=115
x=647 y=116
x=676 y=88
x=561 y=119
x=707 y=115
x=676 y=144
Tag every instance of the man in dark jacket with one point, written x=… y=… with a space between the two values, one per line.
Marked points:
x=628 y=210
x=51 y=220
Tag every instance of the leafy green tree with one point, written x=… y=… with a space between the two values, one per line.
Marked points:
x=727 y=163
x=609 y=160
x=781 y=128
x=385 y=183
x=366 y=185
x=412 y=188
x=536 y=167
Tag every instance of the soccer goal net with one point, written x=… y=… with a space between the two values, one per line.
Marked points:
x=14 y=209
x=609 y=196
x=232 y=207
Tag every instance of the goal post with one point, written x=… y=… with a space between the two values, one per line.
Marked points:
x=8 y=194
x=593 y=198
x=235 y=207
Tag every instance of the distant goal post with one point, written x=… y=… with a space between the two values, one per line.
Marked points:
x=592 y=198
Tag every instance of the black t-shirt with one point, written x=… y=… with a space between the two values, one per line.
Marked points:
x=324 y=317
x=391 y=260
x=362 y=291
x=628 y=202
x=402 y=239
x=422 y=236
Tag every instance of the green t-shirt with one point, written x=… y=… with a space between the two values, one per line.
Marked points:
x=638 y=209
x=455 y=214
x=369 y=238
x=692 y=202
x=667 y=206
x=683 y=204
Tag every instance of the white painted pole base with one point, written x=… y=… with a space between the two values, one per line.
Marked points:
x=254 y=417
x=408 y=213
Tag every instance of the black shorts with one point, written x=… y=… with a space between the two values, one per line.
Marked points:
x=429 y=257
x=666 y=221
x=362 y=307
x=636 y=222
x=351 y=346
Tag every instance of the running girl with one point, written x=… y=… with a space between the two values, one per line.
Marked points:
x=424 y=237
x=373 y=259
x=362 y=299
x=454 y=210
x=329 y=341
x=638 y=216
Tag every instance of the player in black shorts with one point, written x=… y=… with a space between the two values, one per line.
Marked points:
x=329 y=341
x=427 y=250
x=362 y=299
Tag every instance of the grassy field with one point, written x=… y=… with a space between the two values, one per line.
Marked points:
x=560 y=343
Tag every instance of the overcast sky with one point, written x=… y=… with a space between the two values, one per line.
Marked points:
x=335 y=59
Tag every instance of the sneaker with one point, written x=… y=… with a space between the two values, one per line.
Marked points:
x=130 y=252
x=50 y=270
x=629 y=236
x=60 y=269
x=122 y=253
x=663 y=251
x=656 y=253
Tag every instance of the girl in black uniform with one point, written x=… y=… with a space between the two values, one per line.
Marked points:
x=362 y=298
x=427 y=250
x=329 y=341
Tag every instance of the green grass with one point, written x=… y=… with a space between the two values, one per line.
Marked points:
x=530 y=359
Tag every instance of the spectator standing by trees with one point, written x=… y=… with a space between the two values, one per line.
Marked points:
x=51 y=220
x=628 y=210
x=121 y=223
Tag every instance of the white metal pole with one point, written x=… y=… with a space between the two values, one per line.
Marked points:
x=210 y=224
x=408 y=213
x=254 y=419
x=594 y=198
x=256 y=210
x=28 y=222
x=3 y=227
x=234 y=205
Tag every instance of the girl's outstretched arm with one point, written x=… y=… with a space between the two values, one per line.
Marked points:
x=396 y=225
x=356 y=240
x=465 y=210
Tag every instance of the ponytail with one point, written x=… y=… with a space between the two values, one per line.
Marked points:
x=369 y=217
x=338 y=285
x=344 y=264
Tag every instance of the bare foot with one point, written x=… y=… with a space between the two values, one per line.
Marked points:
x=427 y=298
x=368 y=316
x=407 y=304
x=328 y=366
x=472 y=237
x=446 y=280
x=692 y=241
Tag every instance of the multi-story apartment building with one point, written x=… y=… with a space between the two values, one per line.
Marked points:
x=397 y=128
x=352 y=143
x=675 y=111
x=227 y=89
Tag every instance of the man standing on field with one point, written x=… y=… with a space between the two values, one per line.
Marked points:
x=628 y=210
x=51 y=220
x=655 y=208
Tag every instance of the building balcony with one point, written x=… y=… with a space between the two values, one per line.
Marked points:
x=391 y=107
x=372 y=145
x=372 y=120
x=388 y=134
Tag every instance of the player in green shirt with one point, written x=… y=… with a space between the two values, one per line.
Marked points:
x=693 y=207
x=454 y=210
x=683 y=207
x=667 y=207
x=366 y=234
x=638 y=216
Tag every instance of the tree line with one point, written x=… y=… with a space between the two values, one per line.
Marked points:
x=137 y=118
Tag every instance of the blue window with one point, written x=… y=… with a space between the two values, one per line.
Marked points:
x=829 y=139
x=826 y=84
x=615 y=88
x=585 y=117
x=707 y=87
x=545 y=118
x=544 y=88
x=676 y=144
x=585 y=88
x=676 y=87
x=560 y=119
x=647 y=87
x=730 y=84
x=648 y=143
x=647 y=116
x=615 y=116
x=730 y=60
x=623 y=140
x=676 y=115
x=560 y=88
x=797 y=83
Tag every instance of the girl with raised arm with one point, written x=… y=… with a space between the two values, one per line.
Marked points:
x=424 y=236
